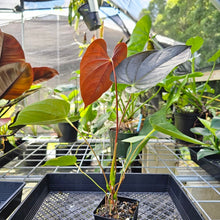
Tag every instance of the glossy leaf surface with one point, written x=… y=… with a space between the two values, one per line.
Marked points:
x=216 y=122
x=206 y=152
x=43 y=74
x=139 y=36
x=15 y=78
x=48 y=111
x=144 y=70
x=96 y=67
x=11 y=50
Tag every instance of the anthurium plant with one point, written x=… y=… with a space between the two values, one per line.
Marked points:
x=211 y=136
x=97 y=74
x=17 y=80
x=137 y=72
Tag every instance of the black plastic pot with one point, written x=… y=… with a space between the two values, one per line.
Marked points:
x=10 y=197
x=211 y=164
x=74 y=196
x=10 y=152
x=91 y=19
x=184 y=122
x=69 y=133
x=122 y=199
x=122 y=147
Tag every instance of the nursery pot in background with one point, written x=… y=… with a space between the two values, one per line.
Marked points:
x=122 y=146
x=91 y=18
x=68 y=132
x=184 y=122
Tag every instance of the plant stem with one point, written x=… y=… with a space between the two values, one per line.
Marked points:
x=155 y=94
x=90 y=148
x=193 y=71
x=124 y=111
x=90 y=178
x=207 y=81
x=129 y=161
x=113 y=165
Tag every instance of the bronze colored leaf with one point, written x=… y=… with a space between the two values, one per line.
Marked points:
x=96 y=67
x=43 y=74
x=11 y=50
x=15 y=78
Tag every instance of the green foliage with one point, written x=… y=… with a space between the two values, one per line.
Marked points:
x=73 y=12
x=67 y=160
x=156 y=122
x=139 y=36
x=185 y=19
x=49 y=111
x=195 y=42
x=211 y=137
x=184 y=93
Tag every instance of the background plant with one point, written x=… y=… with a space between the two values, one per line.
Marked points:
x=180 y=19
x=185 y=93
x=211 y=136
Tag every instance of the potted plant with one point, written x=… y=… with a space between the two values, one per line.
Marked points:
x=97 y=74
x=88 y=10
x=16 y=77
x=70 y=93
x=208 y=155
x=188 y=98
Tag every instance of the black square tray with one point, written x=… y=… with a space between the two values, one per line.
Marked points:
x=10 y=197
x=211 y=164
x=74 y=196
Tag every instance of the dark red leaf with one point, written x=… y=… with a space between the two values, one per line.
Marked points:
x=11 y=50
x=15 y=78
x=96 y=67
x=43 y=74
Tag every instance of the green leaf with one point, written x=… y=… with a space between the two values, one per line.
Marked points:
x=134 y=139
x=67 y=160
x=136 y=148
x=201 y=131
x=73 y=94
x=195 y=43
x=214 y=57
x=215 y=123
x=217 y=134
x=206 y=152
x=175 y=94
x=139 y=36
x=169 y=80
x=207 y=124
x=88 y=115
x=49 y=111
x=169 y=129
x=159 y=123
